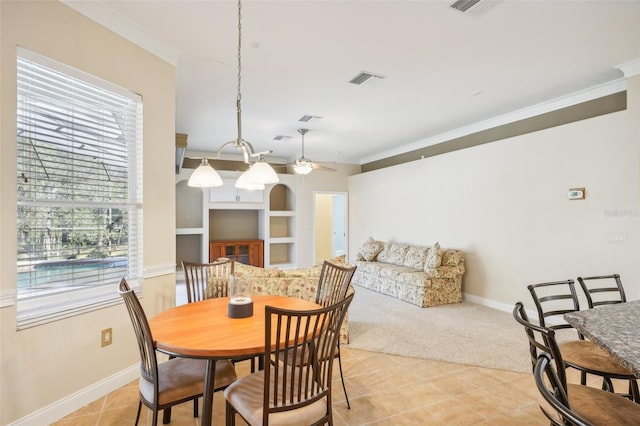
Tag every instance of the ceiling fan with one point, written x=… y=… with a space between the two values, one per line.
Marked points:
x=304 y=166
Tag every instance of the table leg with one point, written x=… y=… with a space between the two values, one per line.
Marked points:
x=207 y=397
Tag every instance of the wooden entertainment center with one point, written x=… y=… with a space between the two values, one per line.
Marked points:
x=249 y=252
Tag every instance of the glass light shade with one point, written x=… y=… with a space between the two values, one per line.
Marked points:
x=240 y=301
x=204 y=176
x=239 y=290
x=302 y=168
x=248 y=181
x=263 y=172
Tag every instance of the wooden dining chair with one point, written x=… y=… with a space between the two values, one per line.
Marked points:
x=553 y=300
x=332 y=287
x=178 y=380
x=602 y=290
x=208 y=280
x=597 y=406
x=285 y=393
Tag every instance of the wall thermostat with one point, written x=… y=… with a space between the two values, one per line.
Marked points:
x=576 y=194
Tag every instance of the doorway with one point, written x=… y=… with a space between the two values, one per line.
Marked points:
x=330 y=220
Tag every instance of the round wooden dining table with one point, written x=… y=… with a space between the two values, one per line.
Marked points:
x=204 y=330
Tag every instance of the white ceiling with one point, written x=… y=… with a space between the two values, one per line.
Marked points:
x=443 y=69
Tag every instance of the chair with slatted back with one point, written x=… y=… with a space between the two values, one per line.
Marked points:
x=332 y=287
x=178 y=380
x=596 y=406
x=602 y=290
x=211 y=280
x=207 y=280
x=553 y=300
x=285 y=393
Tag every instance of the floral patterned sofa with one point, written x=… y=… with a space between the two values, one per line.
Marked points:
x=301 y=283
x=424 y=276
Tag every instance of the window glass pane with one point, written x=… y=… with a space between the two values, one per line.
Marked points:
x=79 y=189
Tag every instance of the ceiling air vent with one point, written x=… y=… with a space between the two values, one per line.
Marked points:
x=474 y=7
x=362 y=77
x=306 y=118
x=281 y=138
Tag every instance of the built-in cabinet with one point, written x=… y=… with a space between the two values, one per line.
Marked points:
x=275 y=207
x=249 y=252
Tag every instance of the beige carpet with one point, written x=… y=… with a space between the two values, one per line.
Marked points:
x=463 y=333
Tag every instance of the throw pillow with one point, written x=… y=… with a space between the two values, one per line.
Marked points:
x=415 y=257
x=434 y=257
x=370 y=249
x=383 y=256
x=397 y=253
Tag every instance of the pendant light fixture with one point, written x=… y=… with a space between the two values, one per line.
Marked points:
x=259 y=172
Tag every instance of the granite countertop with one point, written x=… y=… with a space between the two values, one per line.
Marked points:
x=616 y=328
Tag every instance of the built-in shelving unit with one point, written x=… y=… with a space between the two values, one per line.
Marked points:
x=203 y=216
x=281 y=226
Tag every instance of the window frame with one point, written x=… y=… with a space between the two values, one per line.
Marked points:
x=38 y=306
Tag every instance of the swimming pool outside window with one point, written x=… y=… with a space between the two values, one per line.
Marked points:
x=79 y=190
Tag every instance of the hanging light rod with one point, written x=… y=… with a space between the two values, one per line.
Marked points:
x=259 y=172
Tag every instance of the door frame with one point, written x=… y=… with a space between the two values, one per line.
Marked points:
x=345 y=196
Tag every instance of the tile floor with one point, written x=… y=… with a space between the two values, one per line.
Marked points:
x=383 y=390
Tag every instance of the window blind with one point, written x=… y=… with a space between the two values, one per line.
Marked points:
x=79 y=190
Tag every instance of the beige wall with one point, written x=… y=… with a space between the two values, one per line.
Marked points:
x=323 y=225
x=43 y=365
x=505 y=205
x=306 y=186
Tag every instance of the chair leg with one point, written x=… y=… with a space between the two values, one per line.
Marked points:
x=166 y=416
x=154 y=422
x=138 y=415
x=230 y=415
x=344 y=388
x=633 y=391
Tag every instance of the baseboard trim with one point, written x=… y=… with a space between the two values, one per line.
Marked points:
x=489 y=303
x=61 y=408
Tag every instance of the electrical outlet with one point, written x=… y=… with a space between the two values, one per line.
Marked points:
x=106 y=337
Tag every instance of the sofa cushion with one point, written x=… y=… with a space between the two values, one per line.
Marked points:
x=393 y=253
x=383 y=256
x=451 y=257
x=372 y=268
x=434 y=257
x=415 y=257
x=392 y=271
x=370 y=249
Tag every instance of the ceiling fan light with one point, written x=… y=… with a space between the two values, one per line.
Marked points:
x=204 y=176
x=248 y=180
x=302 y=168
x=263 y=172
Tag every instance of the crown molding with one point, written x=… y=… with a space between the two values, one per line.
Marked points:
x=631 y=68
x=109 y=18
x=591 y=93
